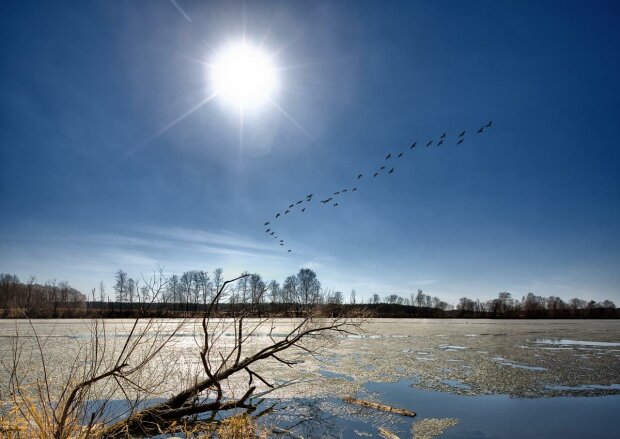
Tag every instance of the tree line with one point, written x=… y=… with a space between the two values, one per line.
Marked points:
x=532 y=306
x=189 y=293
x=52 y=299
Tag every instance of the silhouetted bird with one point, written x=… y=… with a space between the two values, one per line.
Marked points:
x=337 y=193
x=413 y=145
x=462 y=133
x=460 y=141
x=267 y=223
x=300 y=201
x=382 y=168
x=400 y=155
x=328 y=200
x=481 y=129
x=489 y=124
x=289 y=251
x=309 y=195
x=286 y=212
x=343 y=191
x=281 y=244
x=391 y=171
x=354 y=189
x=375 y=174
x=335 y=204
x=291 y=206
x=388 y=156
x=282 y=240
x=272 y=233
x=359 y=176
x=430 y=142
x=267 y=231
x=442 y=136
x=440 y=142
x=277 y=215
x=303 y=210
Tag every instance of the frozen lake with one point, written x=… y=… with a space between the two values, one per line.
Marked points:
x=498 y=378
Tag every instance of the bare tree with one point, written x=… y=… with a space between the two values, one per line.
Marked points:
x=289 y=290
x=257 y=288
x=335 y=298
x=101 y=291
x=274 y=289
x=140 y=366
x=420 y=298
x=309 y=286
x=120 y=287
x=218 y=280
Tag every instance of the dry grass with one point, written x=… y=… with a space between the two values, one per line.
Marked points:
x=24 y=418
x=240 y=427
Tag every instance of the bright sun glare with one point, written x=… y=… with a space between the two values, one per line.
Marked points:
x=244 y=76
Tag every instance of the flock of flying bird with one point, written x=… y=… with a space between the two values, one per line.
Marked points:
x=330 y=200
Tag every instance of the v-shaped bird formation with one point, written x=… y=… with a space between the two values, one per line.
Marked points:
x=371 y=176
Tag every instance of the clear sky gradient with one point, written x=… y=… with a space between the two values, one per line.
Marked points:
x=95 y=176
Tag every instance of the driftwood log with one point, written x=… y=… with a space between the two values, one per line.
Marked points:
x=387 y=434
x=375 y=405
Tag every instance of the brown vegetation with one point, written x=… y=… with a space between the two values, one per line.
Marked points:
x=78 y=403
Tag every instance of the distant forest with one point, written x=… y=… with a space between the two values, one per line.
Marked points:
x=188 y=295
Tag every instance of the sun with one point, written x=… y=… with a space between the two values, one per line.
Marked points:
x=244 y=76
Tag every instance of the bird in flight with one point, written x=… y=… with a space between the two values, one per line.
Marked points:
x=462 y=133
x=281 y=244
x=391 y=171
x=388 y=156
x=277 y=215
x=303 y=210
x=442 y=136
x=354 y=189
x=268 y=230
x=382 y=168
x=430 y=142
x=291 y=206
x=440 y=142
x=359 y=176
x=375 y=174
x=481 y=129
x=337 y=193
x=400 y=155
x=413 y=145
x=328 y=200
x=300 y=201
x=282 y=240
x=267 y=223
x=460 y=141
x=489 y=124
x=272 y=233
x=287 y=211
x=309 y=195
x=289 y=251
x=335 y=204
x=343 y=191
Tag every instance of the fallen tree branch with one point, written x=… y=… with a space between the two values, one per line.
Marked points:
x=375 y=405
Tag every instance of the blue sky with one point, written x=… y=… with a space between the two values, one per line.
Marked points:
x=90 y=181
